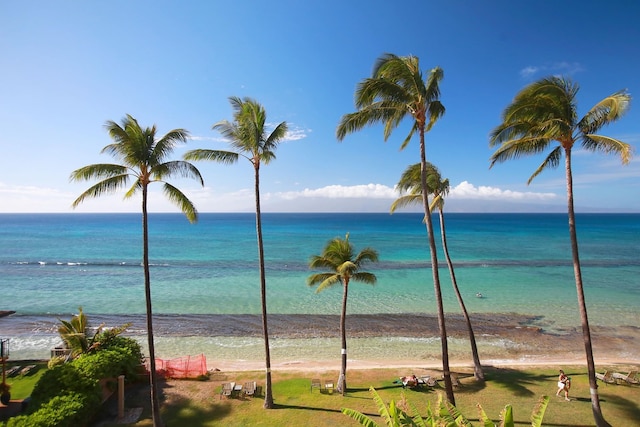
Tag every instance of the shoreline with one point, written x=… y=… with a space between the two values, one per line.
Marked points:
x=312 y=342
x=431 y=365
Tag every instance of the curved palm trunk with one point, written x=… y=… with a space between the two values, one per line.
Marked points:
x=477 y=366
x=155 y=403
x=268 y=394
x=434 y=269
x=586 y=332
x=342 y=380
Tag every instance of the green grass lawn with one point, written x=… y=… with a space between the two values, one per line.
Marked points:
x=21 y=385
x=199 y=403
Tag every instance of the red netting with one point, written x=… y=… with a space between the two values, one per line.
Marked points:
x=181 y=367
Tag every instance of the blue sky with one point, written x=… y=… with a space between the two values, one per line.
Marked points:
x=67 y=67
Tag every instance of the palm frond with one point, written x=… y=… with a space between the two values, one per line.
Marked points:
x=329 y=281
x=98 y=171
x=551 y=161
x=165 y=145
x=133 y=190
x=608 y=145
x=506 y=417
x=106 y=186
x=182 y=201
x=359 y=417
x=538 y=411
x=365 y=277
x=606 y=111
x=404 y=201
x=486 y=421
x=180 y=168
x=220 y=156
x=432 y=89
x=435 y=111
x=517 y=148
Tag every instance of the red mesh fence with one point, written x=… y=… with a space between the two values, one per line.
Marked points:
x=181 y=367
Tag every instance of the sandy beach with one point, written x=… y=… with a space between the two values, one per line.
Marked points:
x=529 y=345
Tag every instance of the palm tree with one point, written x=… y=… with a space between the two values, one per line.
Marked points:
x=248 y=135
x=75 y=334
x=396 y=90
x=143 y=158
x=410 y=182
x=338 y=257
x=545 y=112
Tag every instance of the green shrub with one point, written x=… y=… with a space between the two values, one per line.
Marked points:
x=61 y=380
x=69 y=394
x=67 y=410
x=129 y=366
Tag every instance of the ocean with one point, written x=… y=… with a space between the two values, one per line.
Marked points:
x=205 y=280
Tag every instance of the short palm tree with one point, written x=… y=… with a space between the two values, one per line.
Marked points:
x=410 y=183
x=143 y=158
x=75 y=334
x=343 y=265
x=397 y=90
x=545 y=112
x=248 y=135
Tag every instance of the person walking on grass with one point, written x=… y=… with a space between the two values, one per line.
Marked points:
x=564 y=384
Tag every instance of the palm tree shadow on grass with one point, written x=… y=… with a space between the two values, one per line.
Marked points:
x=629 y=407
x=517 y=381
x=187 y=412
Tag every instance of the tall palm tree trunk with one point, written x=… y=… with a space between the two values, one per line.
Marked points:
x=477 y=366
x=268 y=394
x=586 y=332
x=342 y=380
x=434 y=269
x=155 y=403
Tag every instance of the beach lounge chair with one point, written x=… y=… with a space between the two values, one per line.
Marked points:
x=27 y=369
x=13 y=371
x=428 y=381
x=227 y=389
x=630 y=378
x=606 y=378
x=328 y=387
x=455 y=381
x=315 y=383
x=249 y=388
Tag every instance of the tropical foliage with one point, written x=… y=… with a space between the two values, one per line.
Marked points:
x=248 y=134
x=397 y=90
x=143 y=158
x=77 y=337
x=443 y=414
x=544 y=113
x=70 y=394
x=343 y=265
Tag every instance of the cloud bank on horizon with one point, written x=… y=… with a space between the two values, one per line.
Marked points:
x=366 y=197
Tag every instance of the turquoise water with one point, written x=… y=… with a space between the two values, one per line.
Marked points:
x=50 y=264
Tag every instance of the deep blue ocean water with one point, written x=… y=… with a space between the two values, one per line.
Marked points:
x=50 y=264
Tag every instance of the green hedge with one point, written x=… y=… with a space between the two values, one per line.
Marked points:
x=70 y=394
x=67 y=410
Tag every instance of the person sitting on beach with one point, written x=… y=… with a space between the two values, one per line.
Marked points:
x=409 y=381
x=564 y=384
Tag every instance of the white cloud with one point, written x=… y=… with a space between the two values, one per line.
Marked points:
x=466 y=190
x=556 y=68
x=371 y=191
x=294 y=134
x=528 y=71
